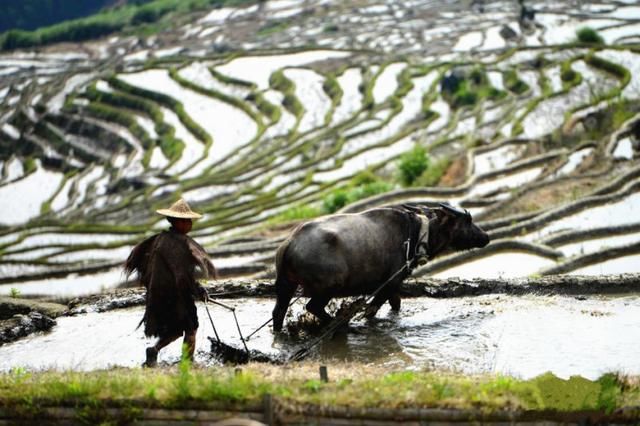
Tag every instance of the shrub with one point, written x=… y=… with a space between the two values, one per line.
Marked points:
x=412 y=164
x=589 y=35
x=171 y=147
x=29 y=165
x=335 y=201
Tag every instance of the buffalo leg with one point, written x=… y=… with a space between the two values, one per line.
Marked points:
x=394 y=301
x=390 y=295
x=284 y=293
x=316 y=307
x=376 y=304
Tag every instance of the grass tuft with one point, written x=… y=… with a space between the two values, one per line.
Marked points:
x=23 y=392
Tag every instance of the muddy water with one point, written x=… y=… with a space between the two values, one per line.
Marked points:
x=522 y=336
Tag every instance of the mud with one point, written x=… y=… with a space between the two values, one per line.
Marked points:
x=21 y=325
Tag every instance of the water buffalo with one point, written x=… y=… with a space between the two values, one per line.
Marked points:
x=353 y=254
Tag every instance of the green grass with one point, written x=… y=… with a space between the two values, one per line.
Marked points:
x=363 y=185
x=269 y=110
x=612 y=68
x=357 y=193
x=221 y=388
x=298 y=212
x=332 y=88
x=278 y=81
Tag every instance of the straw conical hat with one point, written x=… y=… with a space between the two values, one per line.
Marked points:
x=181 y=210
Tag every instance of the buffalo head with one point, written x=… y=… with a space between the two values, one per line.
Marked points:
x=458 y=232
x=450 y=229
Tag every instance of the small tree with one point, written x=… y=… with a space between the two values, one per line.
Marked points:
x=589 y=35
x=413 y=164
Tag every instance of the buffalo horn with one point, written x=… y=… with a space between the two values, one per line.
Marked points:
x=455 y=210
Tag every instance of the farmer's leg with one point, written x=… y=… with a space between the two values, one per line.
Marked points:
x=190 y=342
x=152 y=351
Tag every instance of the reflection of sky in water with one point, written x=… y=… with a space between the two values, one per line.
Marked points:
x=610 y=214
x=71 y=285
x=591 y=246
x=496 y=158
x=504 y=265
x=620 y=265
x=523 y=336
x=511 y=181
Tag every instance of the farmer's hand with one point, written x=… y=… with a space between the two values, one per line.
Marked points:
x=204 y=294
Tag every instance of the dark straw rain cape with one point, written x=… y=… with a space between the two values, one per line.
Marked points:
x=166 y=265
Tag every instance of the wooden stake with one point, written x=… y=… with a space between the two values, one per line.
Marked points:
x=324 y=375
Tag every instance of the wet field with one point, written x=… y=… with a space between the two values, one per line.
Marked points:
x=522 y=336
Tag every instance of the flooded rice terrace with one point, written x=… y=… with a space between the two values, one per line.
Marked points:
x=318 y=100
x=522 y=336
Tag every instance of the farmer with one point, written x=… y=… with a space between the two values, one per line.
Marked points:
x=166 y=265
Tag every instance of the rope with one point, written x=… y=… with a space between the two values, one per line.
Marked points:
x=338 y=322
